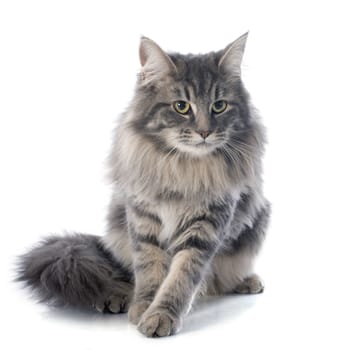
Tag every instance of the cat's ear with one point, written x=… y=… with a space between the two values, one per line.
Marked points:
x=231 y=59
x=154 y=61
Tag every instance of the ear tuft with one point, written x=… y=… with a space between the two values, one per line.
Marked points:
x=154 y=61
x=232 y=56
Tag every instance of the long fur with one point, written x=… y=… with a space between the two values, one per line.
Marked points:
x=73 y=270
x=187 y=216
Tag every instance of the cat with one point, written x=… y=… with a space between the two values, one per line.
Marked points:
x=187 y=215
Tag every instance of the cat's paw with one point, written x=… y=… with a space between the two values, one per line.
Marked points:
x=250 y=285
x=136 y=310
x=114 y=303
x=158 y=324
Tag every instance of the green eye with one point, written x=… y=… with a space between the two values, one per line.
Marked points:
x=219 y=106
x=181 y=107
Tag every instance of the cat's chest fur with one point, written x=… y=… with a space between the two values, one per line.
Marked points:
x=170 y=215
x=177 y=213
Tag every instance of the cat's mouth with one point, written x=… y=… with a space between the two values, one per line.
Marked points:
x=201 y=144
x=199 y=148
x=195 y=146
x=206 y=143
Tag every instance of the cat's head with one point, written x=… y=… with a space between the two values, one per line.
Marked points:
x=192 y=104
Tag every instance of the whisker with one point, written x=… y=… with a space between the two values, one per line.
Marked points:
x=244 y=156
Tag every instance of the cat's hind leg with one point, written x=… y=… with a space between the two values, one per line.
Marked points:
x=252 y=284
x=233 y=274
x=233 y=266
x=113 y=303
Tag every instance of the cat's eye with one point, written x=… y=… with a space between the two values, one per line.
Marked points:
x=181 y=107
x=219 y=106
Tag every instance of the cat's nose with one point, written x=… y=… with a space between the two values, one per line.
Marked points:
x=204 y=134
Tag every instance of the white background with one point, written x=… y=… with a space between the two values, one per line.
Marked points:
x=67 y=69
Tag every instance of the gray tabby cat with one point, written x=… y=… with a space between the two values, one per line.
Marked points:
x=187 y=216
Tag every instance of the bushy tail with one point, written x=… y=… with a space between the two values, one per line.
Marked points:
x=75 y=270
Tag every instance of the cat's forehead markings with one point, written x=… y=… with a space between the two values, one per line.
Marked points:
x=191 y=92
x=176 y=91
x=179 y=93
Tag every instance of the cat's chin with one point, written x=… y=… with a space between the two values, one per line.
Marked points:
x=199 y=150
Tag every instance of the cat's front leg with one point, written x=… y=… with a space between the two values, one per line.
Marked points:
x=173 y=300
x=150 y=261
x=193 y=249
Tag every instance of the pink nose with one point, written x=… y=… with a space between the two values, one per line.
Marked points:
x=204 y=134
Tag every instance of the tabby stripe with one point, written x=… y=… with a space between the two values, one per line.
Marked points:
x=146 y=214
x=187 y=93
x=251 y=237
x=192 y=221
x=157 y=108
x=169 y=195
x=196 y=243
x=217 y=93
x=147 y=239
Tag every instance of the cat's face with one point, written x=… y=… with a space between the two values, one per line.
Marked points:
x=194 y=105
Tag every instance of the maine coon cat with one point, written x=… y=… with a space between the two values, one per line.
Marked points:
x=187 y=216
